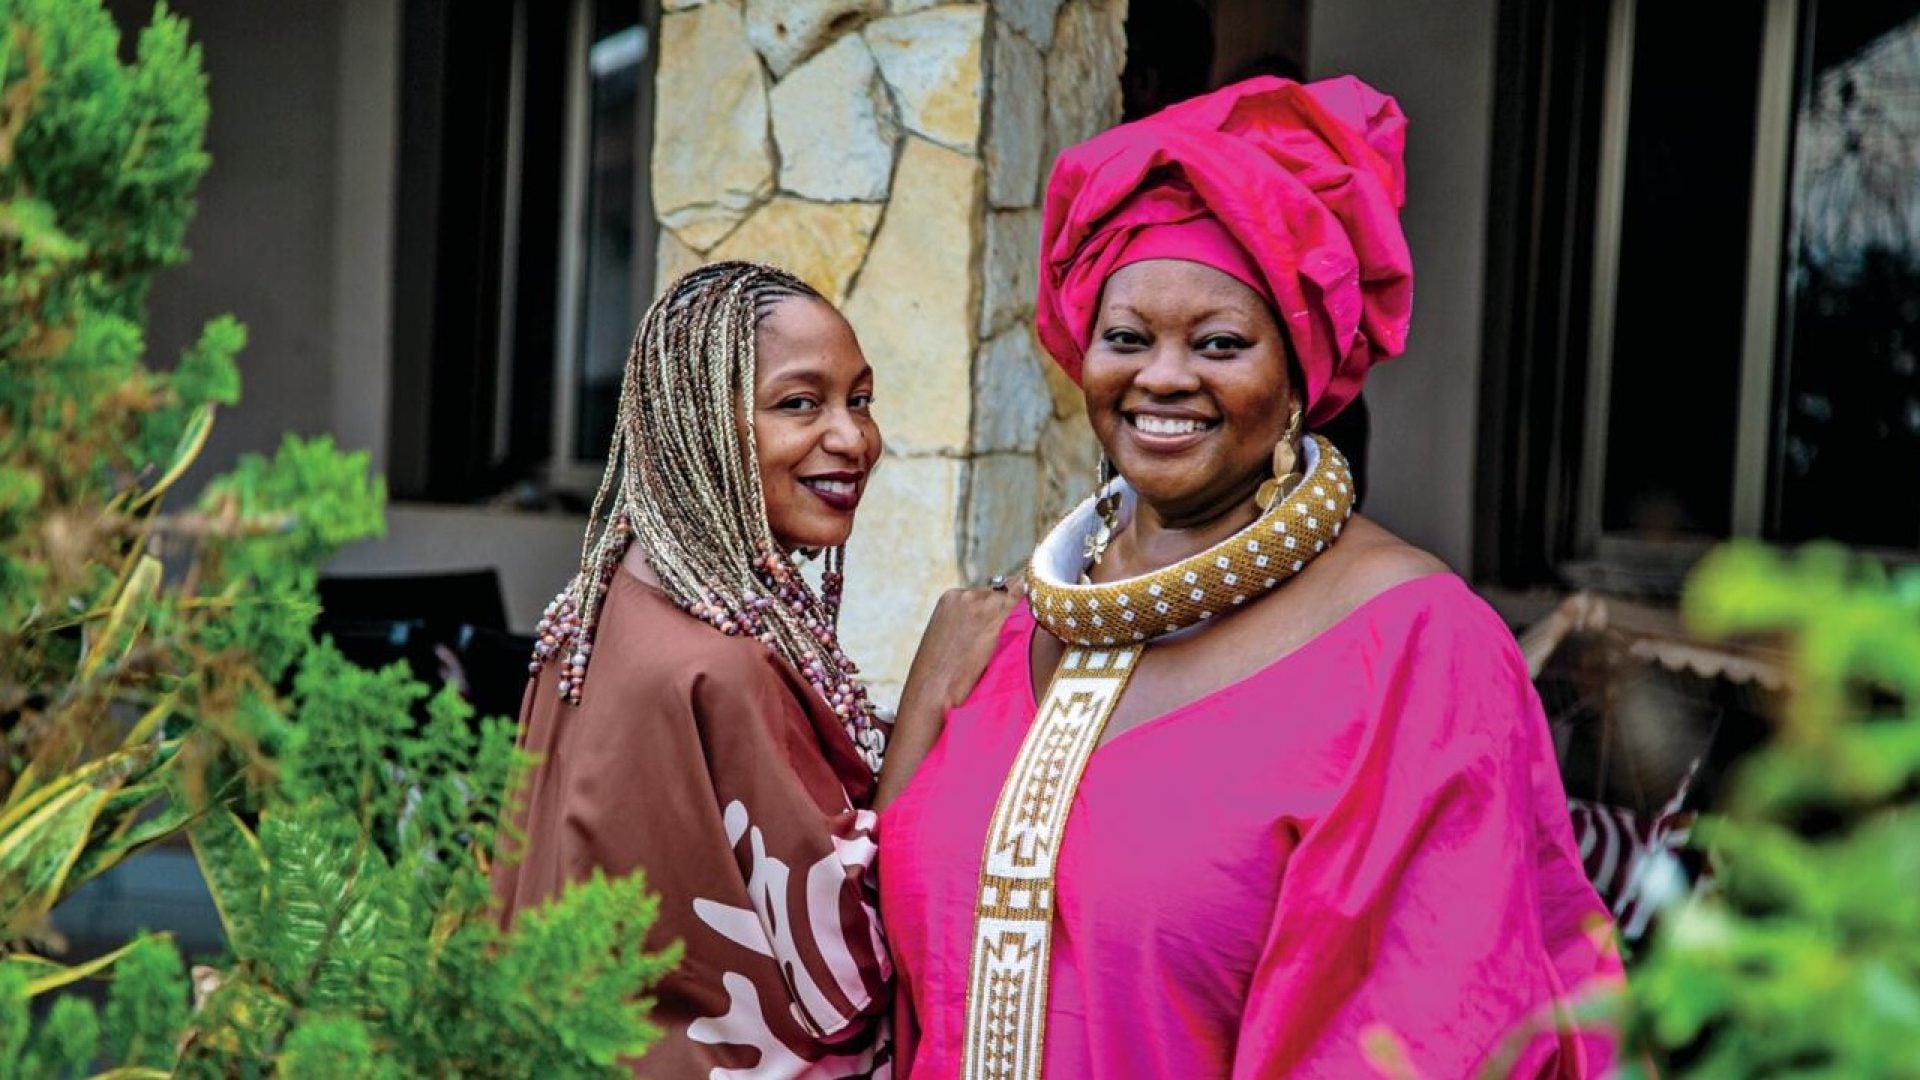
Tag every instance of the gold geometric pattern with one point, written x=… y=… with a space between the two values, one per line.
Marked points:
x=1013 y=916
x=1247 y=564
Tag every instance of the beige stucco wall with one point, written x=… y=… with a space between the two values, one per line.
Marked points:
x=262 y=242
x=892 y=155
x=1436 y=57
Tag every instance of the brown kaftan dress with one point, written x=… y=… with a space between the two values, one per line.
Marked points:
x=709 y=763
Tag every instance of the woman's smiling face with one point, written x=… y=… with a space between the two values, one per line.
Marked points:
x=814 y=434
x=1187 y=386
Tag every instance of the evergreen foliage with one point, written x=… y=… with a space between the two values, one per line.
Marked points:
x=146 y=1005
x=158 y=674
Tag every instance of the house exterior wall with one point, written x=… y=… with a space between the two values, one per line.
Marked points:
x=1437 y=58
x=923 y=222
x=262 y=241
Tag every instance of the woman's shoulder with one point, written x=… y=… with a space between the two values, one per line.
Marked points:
x=1430 y=640
x=658 y=649
x=1394 y=581
x=1369 y=563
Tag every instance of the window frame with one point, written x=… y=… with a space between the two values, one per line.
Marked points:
x=1553 y=258
x=492 y=166
x=1760 y=346
x=564 y=471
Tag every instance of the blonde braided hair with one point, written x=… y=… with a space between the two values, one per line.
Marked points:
x=681 y=480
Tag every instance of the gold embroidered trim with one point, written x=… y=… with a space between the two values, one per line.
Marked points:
x=1013 y=915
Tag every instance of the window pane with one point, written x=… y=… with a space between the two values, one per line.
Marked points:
x=1680 y=295
x=1848 y=458
x=615 y=62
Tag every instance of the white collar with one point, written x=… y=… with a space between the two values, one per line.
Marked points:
x=1061 y=557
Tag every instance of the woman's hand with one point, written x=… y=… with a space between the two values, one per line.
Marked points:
x=953 y=653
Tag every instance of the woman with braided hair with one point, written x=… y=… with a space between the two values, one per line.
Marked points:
x=691 y=711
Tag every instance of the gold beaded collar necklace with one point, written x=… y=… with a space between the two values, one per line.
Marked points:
x=1247 y=564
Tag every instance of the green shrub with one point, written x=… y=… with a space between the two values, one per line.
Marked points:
x=145 y=654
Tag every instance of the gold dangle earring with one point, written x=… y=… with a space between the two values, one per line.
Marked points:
x=1107 y=510
x=1286 y=475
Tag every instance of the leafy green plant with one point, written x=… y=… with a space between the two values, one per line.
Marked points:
x=1803 y=957
x=98 y=163
x=363 y=919
x=159 y=677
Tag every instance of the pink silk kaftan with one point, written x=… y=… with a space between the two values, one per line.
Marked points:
x=1368 y=833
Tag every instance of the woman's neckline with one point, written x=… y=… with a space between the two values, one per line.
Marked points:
x=1313 y=643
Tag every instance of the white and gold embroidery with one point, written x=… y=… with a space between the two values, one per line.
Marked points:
x=1013 y=918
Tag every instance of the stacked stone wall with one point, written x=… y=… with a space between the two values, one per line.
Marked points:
x=892 y=155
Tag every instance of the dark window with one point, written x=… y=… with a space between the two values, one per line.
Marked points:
x=1703 y=305
x=524 y=237
x=613 y=264
x=1675 y=374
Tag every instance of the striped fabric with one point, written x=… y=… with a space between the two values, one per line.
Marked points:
x=1637 y=868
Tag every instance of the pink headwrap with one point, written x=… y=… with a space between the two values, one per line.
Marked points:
x=1294 y=190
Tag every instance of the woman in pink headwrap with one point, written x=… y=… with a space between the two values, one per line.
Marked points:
x=1251 y=787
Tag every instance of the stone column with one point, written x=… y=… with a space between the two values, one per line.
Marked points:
x=891 y=154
